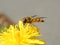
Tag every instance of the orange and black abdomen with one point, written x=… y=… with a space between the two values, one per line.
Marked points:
x=37 y=20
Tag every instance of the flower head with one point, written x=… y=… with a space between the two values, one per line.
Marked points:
x=21 y=34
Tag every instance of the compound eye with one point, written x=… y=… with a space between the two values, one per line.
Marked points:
x=24 y=20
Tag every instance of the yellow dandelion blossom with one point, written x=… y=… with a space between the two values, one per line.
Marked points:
x=21 y=35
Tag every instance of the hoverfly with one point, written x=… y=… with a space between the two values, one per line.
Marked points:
x=32 y=19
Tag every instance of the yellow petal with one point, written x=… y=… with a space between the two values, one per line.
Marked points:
x=35 y=41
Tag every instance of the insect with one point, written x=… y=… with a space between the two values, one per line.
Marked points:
x=32 y=19
x=4 y=20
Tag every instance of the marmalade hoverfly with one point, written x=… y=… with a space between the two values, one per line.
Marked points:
x=32 y=19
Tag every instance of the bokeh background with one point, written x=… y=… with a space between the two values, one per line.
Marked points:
x=17 y=9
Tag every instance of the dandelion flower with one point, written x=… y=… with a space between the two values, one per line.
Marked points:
x=21 y=34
